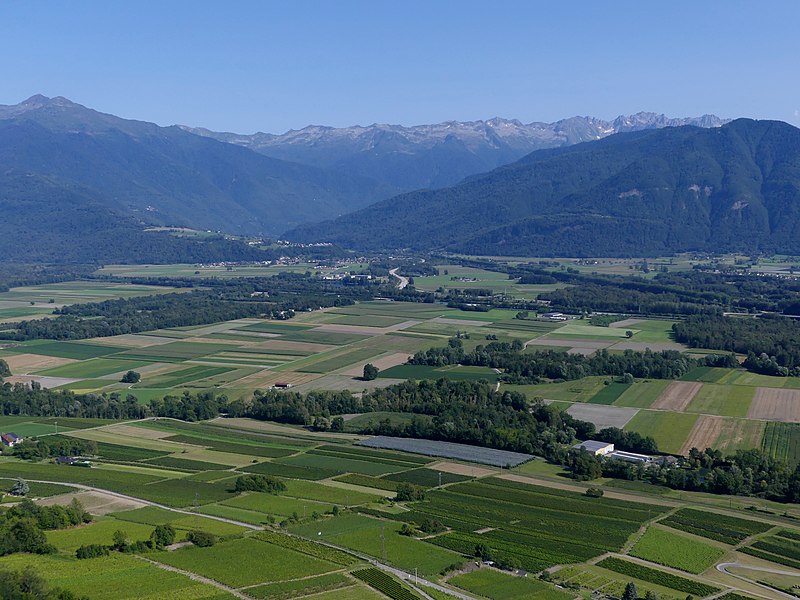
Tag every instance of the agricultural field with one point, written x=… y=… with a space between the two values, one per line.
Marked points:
x=677 y=551
x=501 y=586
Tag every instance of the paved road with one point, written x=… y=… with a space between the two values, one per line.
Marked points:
x=723 y=568
x=403 y=280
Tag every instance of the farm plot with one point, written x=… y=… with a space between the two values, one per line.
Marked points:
x=722 y=400
x=338 y=465
x=317 y=336
x=677 y=551
x=30 y=363
x=677 y=396
x=486 y=456
x=93 y=368
x=739 y=434
x=372 y=536
x=340 y=361
x=603 y=416
x=116 y=577
x=670 y=430
x=174 y=351
x=610 y=393
x=714 y=526
x=183 y=376
x=75 y=350
x=537 y=527
x=427 y=477
x=497 y=585
x=776 y=405
x=782 y=441
x=454 y=373
x=675 y=582
x=642 y=394
x=705 y=432
x=241 y=562
x=569 y=391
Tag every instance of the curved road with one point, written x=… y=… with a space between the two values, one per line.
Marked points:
x=403 y=280
x=723 y=568
x=409 y=578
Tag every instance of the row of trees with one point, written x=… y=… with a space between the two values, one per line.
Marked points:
x=522 y=368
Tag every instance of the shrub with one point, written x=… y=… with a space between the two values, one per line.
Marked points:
x=202 y=539
x=408 y=492
x=92 y=551
x=259 y=483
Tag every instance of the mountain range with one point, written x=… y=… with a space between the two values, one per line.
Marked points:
x=167 y=176
x=439 y=155
x=652 y=192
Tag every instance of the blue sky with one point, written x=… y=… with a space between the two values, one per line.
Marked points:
x=270 y=66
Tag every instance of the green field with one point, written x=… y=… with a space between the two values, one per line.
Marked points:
x=782 y=441
x=242 y=562
x=610 y=393
x=676 y=551
x=455 y=373
x=363 y=534
x=501 y=586
x=642 y=393
x=669 y=430
x=722 y=400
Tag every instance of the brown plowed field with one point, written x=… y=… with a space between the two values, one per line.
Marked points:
x=775 y=404
x=704 y=433
x=677 y=396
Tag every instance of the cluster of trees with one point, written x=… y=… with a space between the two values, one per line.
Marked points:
x=772 y=344
x=629 y=441
x=745 y=473
x=524 y=368
x=34 y=401
x=161 y=537
x=259 y=483
x=22 y=526
x=469 y=412
x=29 y=585
x=409 y=492
x=40 y=448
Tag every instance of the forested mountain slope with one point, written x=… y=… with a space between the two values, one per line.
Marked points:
x=736 y=187
x=167 y=176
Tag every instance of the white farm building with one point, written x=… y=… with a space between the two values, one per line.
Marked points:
x=594 y=447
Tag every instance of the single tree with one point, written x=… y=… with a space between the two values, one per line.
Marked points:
x=163 y=535
x=370 y=372
x=630 y=592
x=21 y=488
x=628 y=334
x=131 y=377
x=4 y=370
x=120 y=540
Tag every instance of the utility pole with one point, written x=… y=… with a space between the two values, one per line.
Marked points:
x=56 y=424
x=440 y=479
x=383 y=544
x=415 y=576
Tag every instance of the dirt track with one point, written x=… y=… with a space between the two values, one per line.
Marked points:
x=776 y=405
x=677 y=396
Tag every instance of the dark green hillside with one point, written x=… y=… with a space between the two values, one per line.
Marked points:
x=167 y=176
x=736 y=187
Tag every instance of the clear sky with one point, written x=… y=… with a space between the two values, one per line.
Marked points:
x=262 y=65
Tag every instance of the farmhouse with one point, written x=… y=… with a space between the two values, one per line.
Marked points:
x=282 y=385
x=11 y=439
x=554 y=316
x=596 y=448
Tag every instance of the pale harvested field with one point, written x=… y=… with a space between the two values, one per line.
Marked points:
x=288 y=345
x=705 y=432
x=385 y=362
x=361 y=330
x=775 y=405
x=677 y=396
x=96 y=503
x=138 y=432
x=133 y=340
x=22 y=364
x=625 y=323
x=460 y=322
x=140 y=441
x=570 y=343
x=202 y=340
x=602 y=415
x=642 y=346
x=265 y=379
x=45 y=382
x=266 y=427
x=740 y=434
x=583 y=351
x=459 y=469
